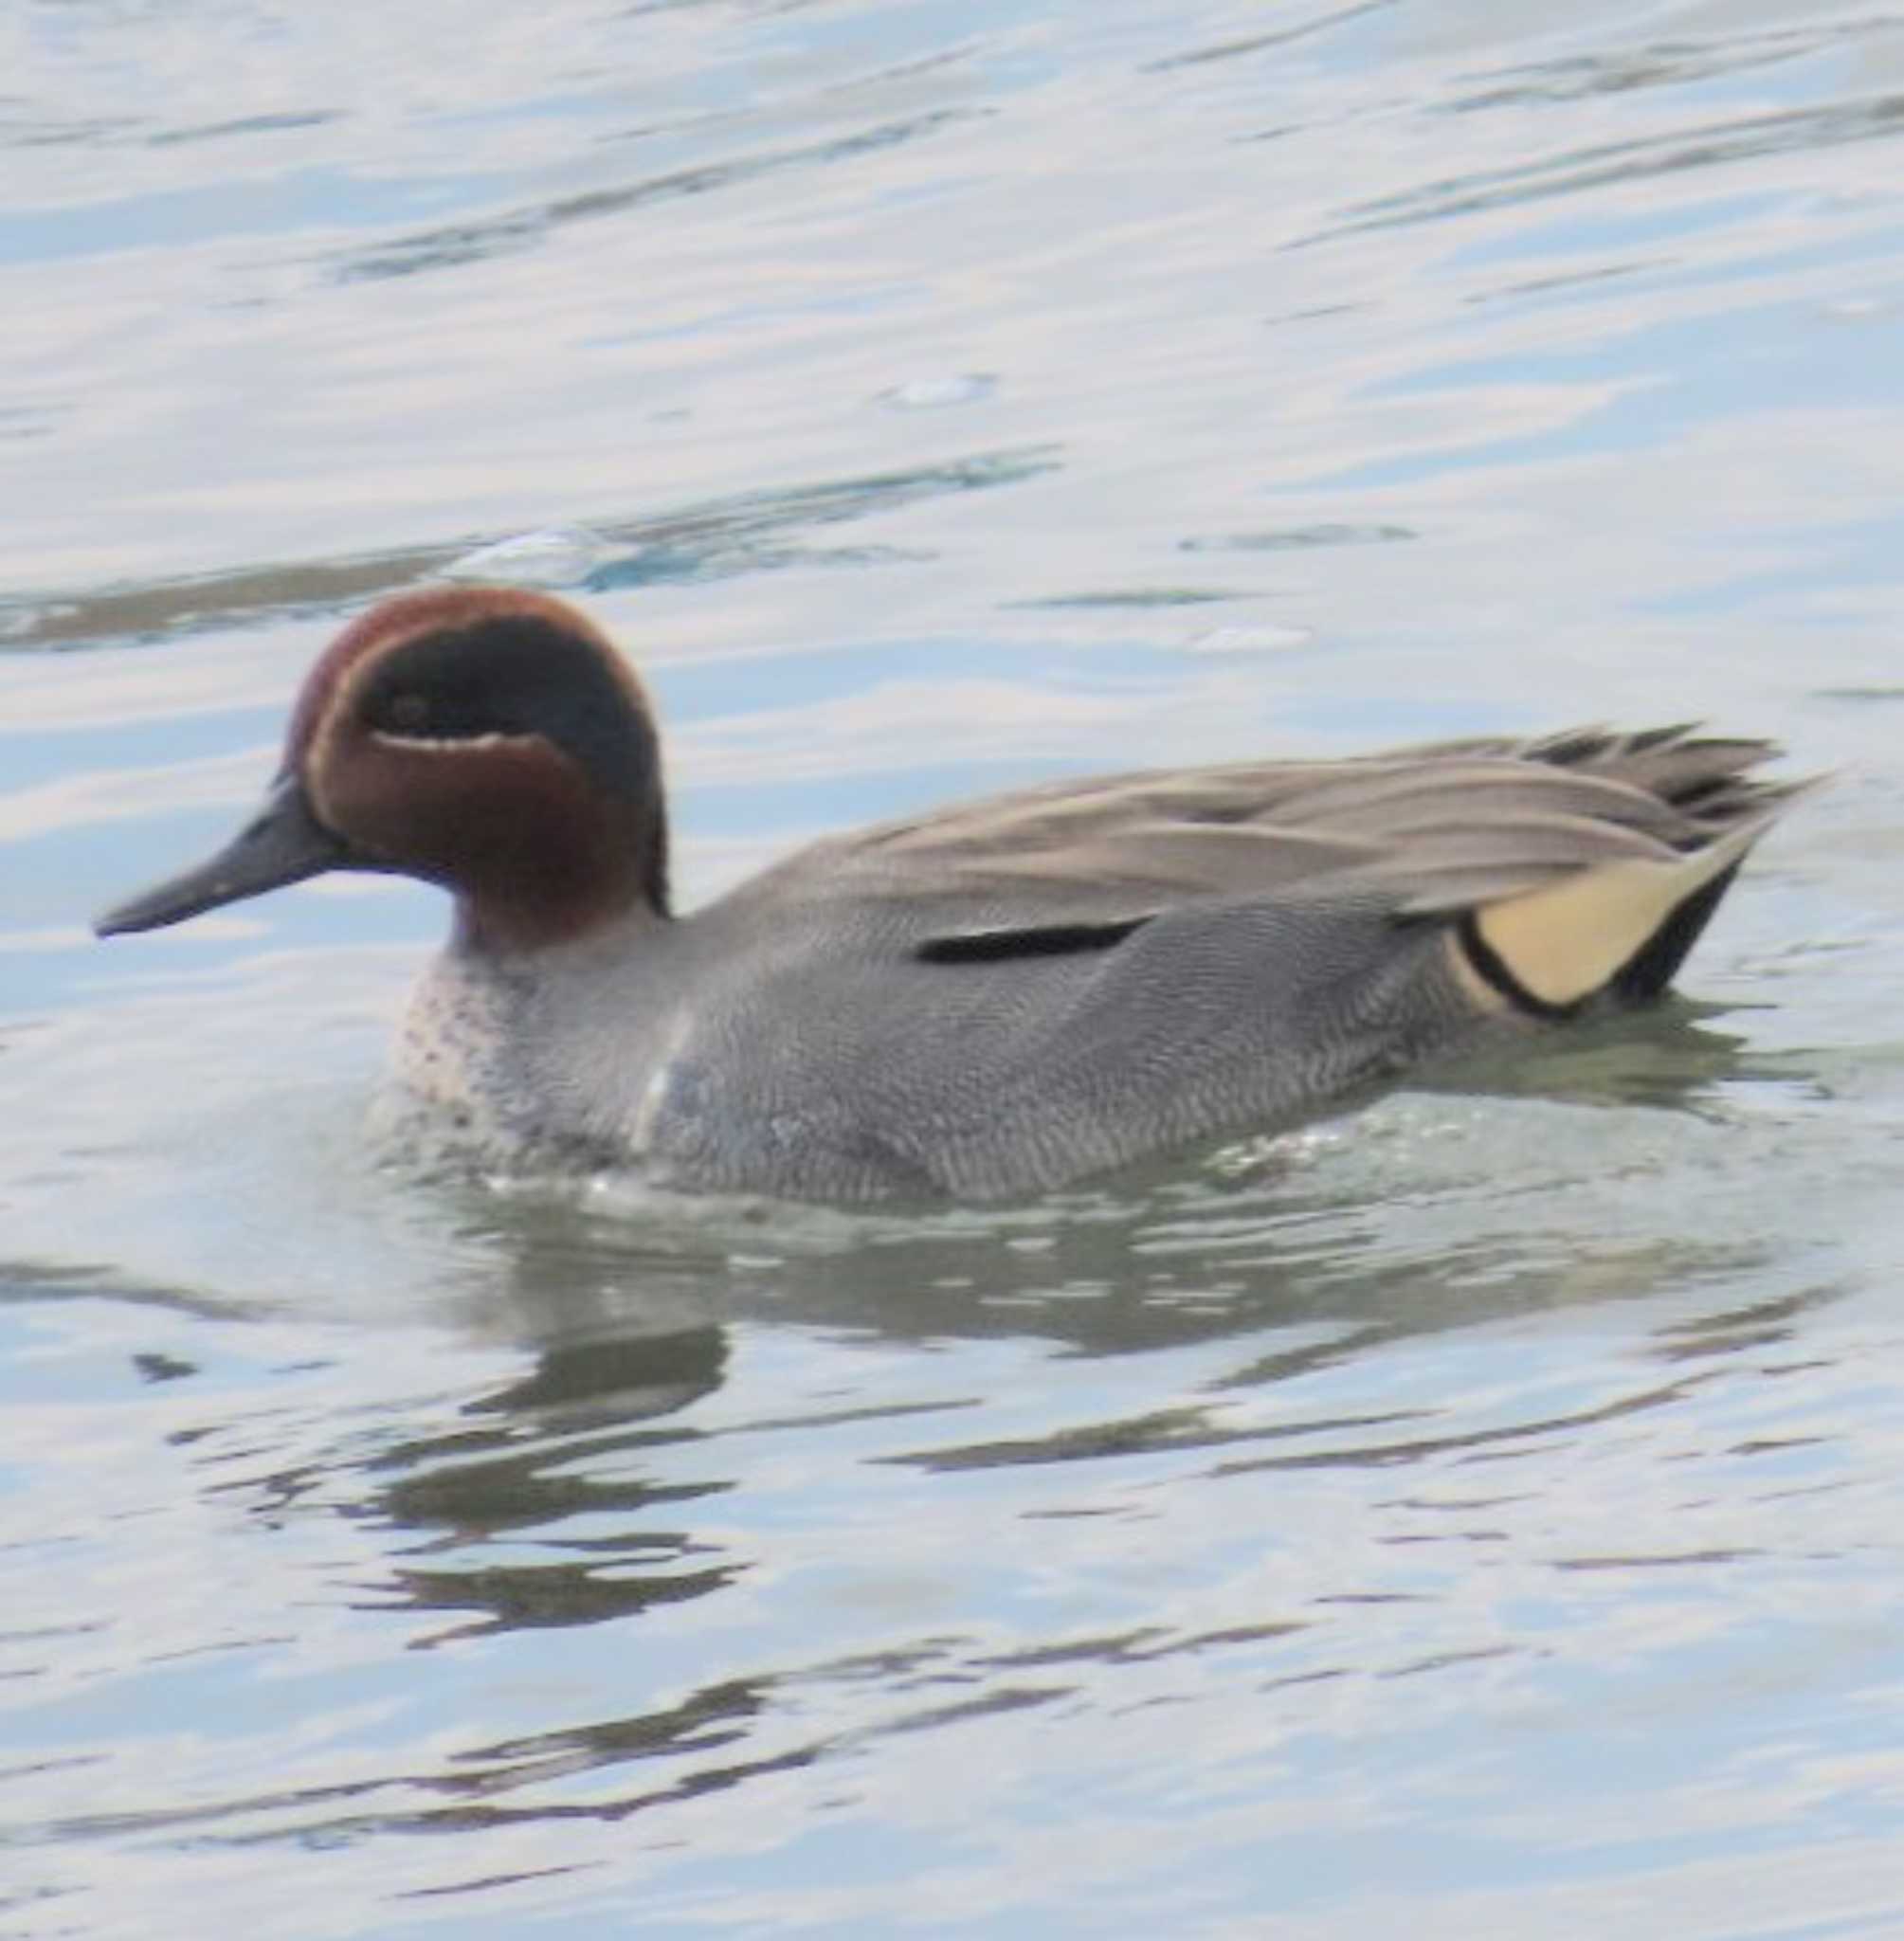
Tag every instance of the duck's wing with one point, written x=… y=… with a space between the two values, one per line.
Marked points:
x=1569 y=852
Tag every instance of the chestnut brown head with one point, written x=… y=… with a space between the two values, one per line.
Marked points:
x=486 y=739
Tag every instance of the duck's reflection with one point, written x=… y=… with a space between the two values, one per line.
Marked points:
x=558 y=1499
x=542 y=1501
x=615 y=1378
x=587 y=1487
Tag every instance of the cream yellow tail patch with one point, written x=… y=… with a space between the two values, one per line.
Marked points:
x=1562 y=943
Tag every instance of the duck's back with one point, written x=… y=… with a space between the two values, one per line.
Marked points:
x=996 y=999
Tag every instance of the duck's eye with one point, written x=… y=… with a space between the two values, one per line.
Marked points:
x=406 y=713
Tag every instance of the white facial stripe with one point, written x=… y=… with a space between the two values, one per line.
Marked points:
x=443 y=744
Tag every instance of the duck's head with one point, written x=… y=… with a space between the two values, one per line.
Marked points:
x=486 y=739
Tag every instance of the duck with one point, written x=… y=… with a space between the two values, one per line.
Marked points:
x=987 y=1001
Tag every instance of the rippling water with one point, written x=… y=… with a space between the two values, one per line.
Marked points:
x=1477 y=1517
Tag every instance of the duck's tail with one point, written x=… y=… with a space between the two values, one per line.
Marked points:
x=1619 y=931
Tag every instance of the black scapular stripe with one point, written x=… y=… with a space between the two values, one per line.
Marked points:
x=1046 y=941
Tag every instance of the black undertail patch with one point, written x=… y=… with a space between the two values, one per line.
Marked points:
x=1653 y=967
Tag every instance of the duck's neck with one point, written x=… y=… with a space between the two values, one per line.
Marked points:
x=557 y=868
x=520 y=930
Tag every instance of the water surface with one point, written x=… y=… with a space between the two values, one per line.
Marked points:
x=1476 y=1517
